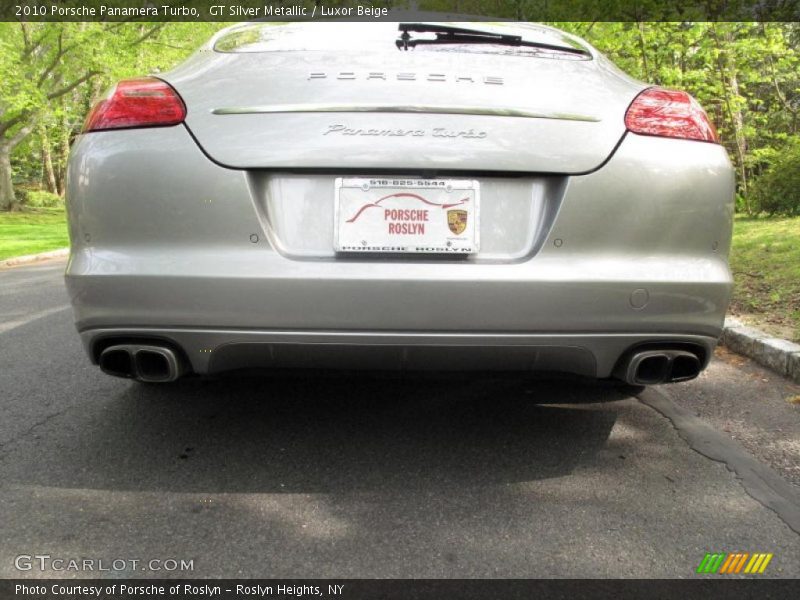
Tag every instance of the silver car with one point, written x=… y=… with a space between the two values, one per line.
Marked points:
x=401 y=196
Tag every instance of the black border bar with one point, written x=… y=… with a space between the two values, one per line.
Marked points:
x=399 y=10
x=397 y=589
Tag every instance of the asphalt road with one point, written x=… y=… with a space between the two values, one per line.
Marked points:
x=365 y=477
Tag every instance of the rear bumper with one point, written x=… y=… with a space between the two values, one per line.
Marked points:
x=261 y=309
x=260 y=289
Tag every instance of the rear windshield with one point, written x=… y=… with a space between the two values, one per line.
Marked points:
x=382 y=37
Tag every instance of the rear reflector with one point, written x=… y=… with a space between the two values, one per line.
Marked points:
x=145 y=102
x=669 y=113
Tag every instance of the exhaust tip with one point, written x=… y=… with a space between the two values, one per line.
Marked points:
x=145 y=362
x=644 y=368
x=154 y=365
x=685 y=366
x=116 y=361
x=651 y=367
x=157 y=364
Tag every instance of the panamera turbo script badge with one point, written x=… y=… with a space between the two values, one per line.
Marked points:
x=436 y=132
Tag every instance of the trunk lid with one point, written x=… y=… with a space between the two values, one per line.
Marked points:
x=396 y=110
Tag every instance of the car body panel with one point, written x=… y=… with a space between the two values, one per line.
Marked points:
x=322 y=98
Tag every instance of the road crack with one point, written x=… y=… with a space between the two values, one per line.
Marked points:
x=759 y=481
x=6 y=444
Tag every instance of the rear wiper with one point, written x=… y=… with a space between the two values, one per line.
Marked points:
x=459 y=35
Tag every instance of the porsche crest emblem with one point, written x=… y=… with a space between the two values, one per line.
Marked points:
x=457 y=221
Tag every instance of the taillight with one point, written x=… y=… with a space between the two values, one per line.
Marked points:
x=669 y=113
x=144 y=102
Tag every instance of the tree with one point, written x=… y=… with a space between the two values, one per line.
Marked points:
x=45 y=61
x=57 y=68
x=746 y=75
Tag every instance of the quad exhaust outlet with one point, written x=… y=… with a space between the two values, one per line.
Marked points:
x=650 y=367
x=143 y=362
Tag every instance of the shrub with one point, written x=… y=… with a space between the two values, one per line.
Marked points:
x=38 y=198
x=777 y=191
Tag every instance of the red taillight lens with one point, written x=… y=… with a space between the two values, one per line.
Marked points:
x=669 y=113
x=145 y=102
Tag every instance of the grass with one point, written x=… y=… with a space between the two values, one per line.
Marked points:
x=765 y=260
x=32 y=230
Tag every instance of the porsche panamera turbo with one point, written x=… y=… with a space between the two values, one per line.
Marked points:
x=412 y=196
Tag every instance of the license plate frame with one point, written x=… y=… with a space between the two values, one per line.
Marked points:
x=406 y=215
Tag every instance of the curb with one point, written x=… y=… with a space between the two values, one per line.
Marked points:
x=776 y=354
x=30 y=258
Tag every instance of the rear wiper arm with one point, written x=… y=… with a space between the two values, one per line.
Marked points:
x=459 y=35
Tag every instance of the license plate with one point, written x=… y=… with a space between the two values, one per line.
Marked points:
x=406 y=215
